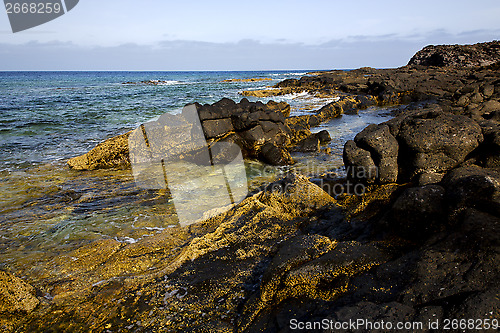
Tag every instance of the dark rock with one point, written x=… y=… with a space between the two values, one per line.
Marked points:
x=253 y=136
x=418 y=212
x=268 y=126
x=179 y=136
x=431 y=143
x=221 y=109
x=473 y=187
x=383 y=147
x=360 y=162
x=430 y=178
x=323 y=136
x=481 y=54
x=275 y=155
x=307 y=145
x=217 y=127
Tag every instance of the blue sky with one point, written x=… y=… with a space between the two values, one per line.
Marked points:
x=252 y=35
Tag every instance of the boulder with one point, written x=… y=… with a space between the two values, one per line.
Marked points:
x=418 y=212
x=324 y=136
x=383 y=147
x=307 y=145
x=436 y=143
x=275 y=155
x=473 y=187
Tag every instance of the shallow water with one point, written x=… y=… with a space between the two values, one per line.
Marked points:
x=47 y=209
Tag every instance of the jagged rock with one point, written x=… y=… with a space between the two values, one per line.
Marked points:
x=481 y=54
x=255 y=124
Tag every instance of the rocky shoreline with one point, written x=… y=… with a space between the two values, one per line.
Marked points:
x=420 y=244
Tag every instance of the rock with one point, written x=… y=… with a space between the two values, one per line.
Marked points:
x=307 y=145
x=324 y=278
x=435 y=143
x=112 y=153
x=323 y=136
x=418 y=212
x=481 y=54
x=274 y=155
x=383 y=147
x=473 y=187
x=253 y=137
x=490 y=106
x=16 y=296
x=176 y=136
x=217 y=127
x=359 y=162
x=430 y=178
x=219 y=110
x=476 y=98
x=283 y=107
x=463 y=101
x=488 y=90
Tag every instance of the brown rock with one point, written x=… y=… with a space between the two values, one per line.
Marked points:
x=16 y=295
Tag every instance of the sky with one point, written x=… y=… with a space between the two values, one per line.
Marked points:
x=251 y=35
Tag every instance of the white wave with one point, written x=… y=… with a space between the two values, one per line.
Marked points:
x=303 y=94
x=289 y=74
x=166 y=83
x=129 y=240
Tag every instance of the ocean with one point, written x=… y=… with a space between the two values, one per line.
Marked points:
x=48 y=117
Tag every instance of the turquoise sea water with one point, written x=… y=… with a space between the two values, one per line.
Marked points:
x=47 y=117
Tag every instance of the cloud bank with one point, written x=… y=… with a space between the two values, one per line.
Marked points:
x=352 y=52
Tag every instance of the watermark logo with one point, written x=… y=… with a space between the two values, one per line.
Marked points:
x=26 y=14
x=204 y=179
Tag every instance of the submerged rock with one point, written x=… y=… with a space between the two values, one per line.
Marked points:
x=16 y=296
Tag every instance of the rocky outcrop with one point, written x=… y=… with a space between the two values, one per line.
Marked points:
x=415 y=144
x=112 y=153
x=476 y=55
x=249 y=125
